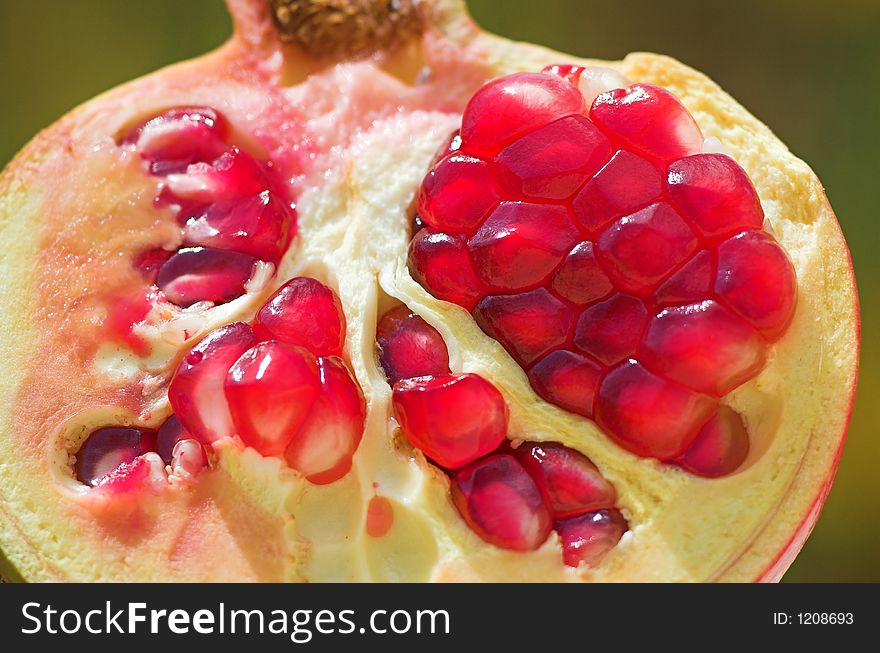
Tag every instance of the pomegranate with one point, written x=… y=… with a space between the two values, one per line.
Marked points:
x=390 y=299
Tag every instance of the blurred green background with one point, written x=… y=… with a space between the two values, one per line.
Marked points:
x=808 y=68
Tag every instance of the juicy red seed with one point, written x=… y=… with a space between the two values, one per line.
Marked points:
x=502 y=504
x=702 y=346
x=441 y=264
x=322 y=449
x=569 y=72
x=196 y=274
x=511 y=106
x=568 y=479
x=150 y=261
x=610 y=330
x=170 y=433
x=553 y=161
x=453 y=418
x=624 y=185
x=528 y=324
x=457 y=194
x=270 y=391
x=519 y=244
x=306 y=313
x=178 y=137
x=408 y=346
x=720 y=448
x=196 y=391
x=691 y=283
x=639 y=250
x=579 y=279
x=235 y=173
x=589 y=537
x=106 y=449
x=647 y=415
x=259 y=225
x=451 y=145
x=715 y=193
x=568 y=380
x=757 y=280
x=650 y=120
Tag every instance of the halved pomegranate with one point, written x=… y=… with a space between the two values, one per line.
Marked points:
x=226 y=286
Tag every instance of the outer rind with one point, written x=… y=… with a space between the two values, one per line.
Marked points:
x=782 y=179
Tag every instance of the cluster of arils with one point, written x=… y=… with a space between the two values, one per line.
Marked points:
x=510 y=497
x=280 y=385
x=625 y=270
x=233 y=214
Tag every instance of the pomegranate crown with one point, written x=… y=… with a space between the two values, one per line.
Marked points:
x=336 y=28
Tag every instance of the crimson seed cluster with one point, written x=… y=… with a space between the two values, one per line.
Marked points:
x=625 y=270
x=511 y=498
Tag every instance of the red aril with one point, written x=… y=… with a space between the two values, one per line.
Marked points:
x=260 y=225
x=270 y=390
x=587 y=538
x=501 y=503
x=322 y=448
x=511 y=106
x=691 y=283
x=648 y=415
x=520 y=243
x=146 y=473
x=757 y=280
x=235 y=173
x=650 y=120
x=720 y=448
x=702 y=346
x=567 y=379
x=715 y=194
x=196 y=390
x=568 y=479
x=610 y=330
x=150 y=261
x=169 y=434
x=306 y=313
x=197 y=274
x=107 y=449
x=407 y=346
x=639 y=250
x=624 y=185
x=440 y=262
x=528 y=324
x=579 y=278
x=552 y=162
x=180 y=136
x=457 y=194
x=569 y=72
x=453 y=419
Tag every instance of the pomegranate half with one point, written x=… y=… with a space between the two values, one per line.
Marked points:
x=396 y=299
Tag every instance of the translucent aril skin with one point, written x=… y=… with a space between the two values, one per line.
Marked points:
x=626 y=271
x=229 y=207
x=407 y=346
